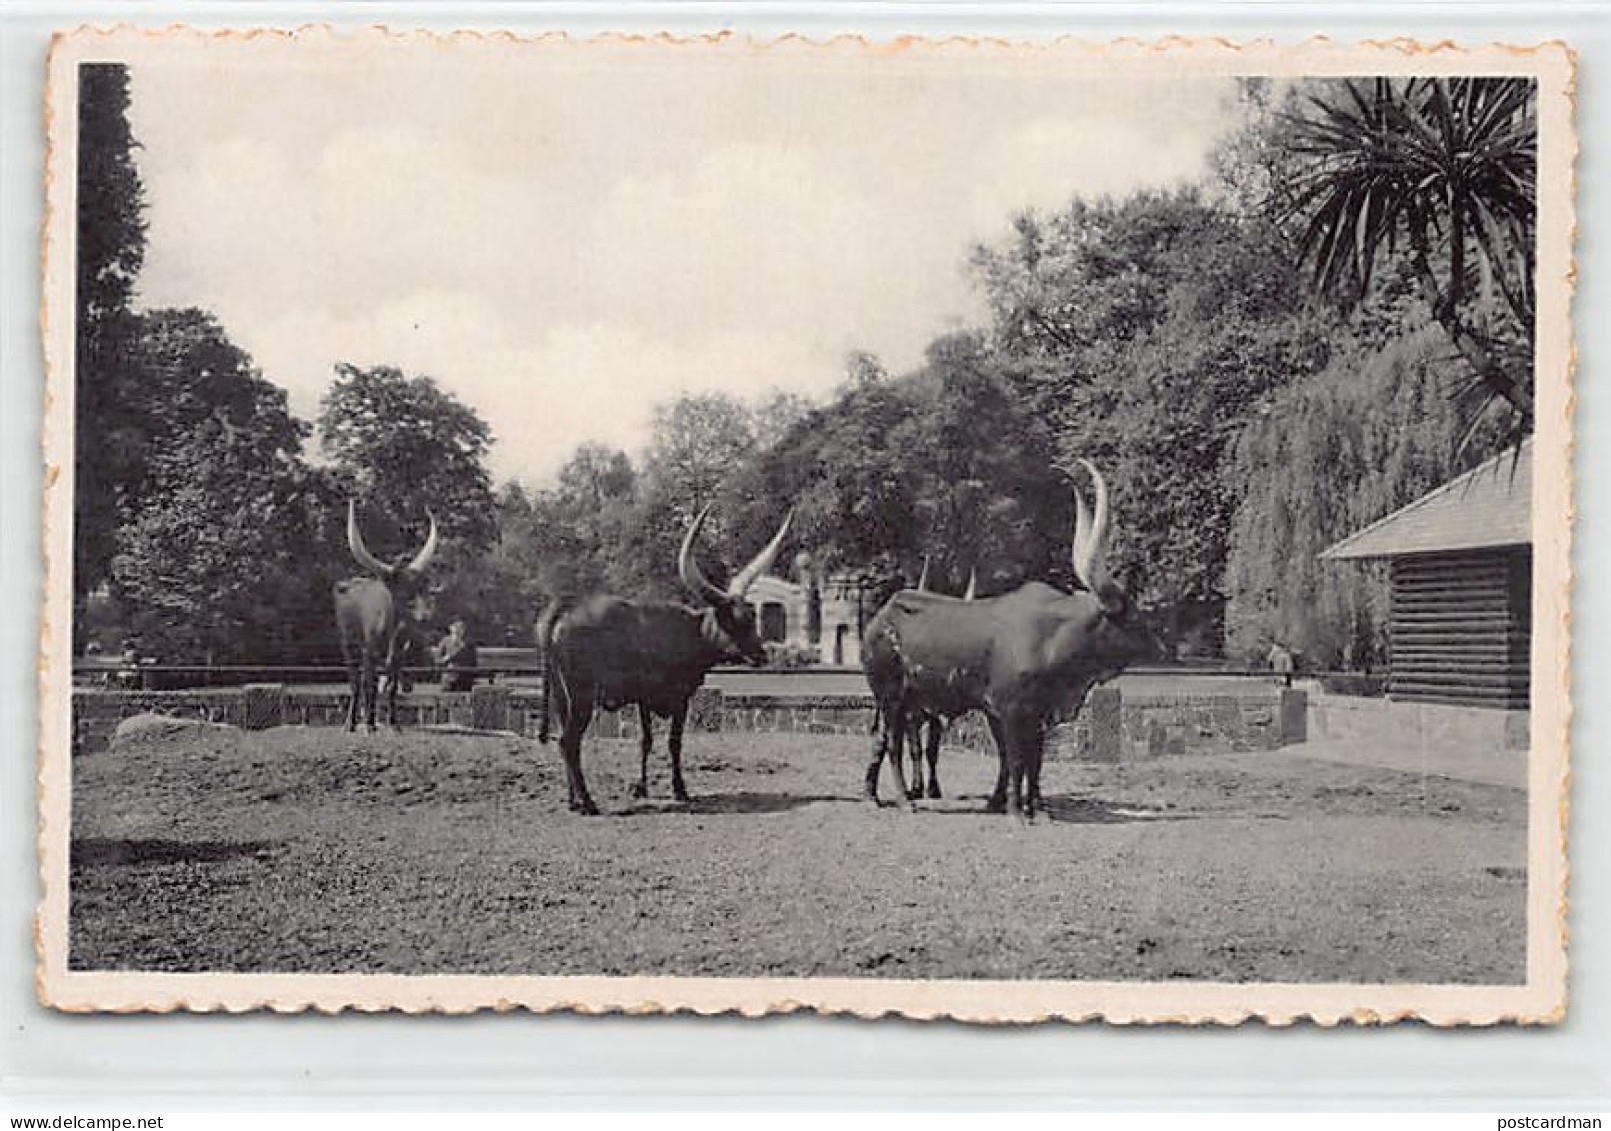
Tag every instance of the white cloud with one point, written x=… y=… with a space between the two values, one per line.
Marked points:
x=1044 y=164
x=578 y=382
x=562 y=248
x=773 y=237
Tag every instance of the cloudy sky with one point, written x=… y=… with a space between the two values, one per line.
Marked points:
x=564 y=237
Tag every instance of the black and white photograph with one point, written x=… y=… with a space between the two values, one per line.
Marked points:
x=948 y=529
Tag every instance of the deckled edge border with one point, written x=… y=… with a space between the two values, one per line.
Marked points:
x=84 y=992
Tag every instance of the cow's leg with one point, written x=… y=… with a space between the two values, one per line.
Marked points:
x=898 y=738
x=915 y=743
x=998 y=796
x=888 y=719
x=1023 y=763
x=932 y=753
x=371 y=691
x=1034 y=751
x=645 y=744
x=355 y=685
x=679 y=716
x=394 y=676
x=574 y=723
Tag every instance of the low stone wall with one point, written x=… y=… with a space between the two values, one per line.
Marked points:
x=1108 y=728
x=1415 y=725
x=1180 y=724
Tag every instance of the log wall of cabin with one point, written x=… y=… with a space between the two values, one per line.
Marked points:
x=1461 y=627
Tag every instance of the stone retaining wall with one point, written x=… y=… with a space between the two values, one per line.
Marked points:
x=1416 y=725
x=1180 y=724
x=1108 y=728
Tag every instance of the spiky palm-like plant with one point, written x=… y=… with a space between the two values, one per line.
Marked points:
x=1445 y=169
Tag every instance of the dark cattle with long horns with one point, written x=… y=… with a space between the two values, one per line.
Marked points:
x=610 y=651
x=372 y=615
x=1024 y=658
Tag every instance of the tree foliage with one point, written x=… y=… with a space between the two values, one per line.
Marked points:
x=220 y=560
x=407 y=446
x=1444 y=169
x=1147 y=333
x=110 y=250
x=944 y=463
x=1373 y=432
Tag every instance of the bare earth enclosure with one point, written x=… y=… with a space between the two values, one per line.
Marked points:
x=309 y=850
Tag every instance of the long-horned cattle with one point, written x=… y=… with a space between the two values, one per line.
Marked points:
x=1024 y=658
x=373 y=617
x=608 y=651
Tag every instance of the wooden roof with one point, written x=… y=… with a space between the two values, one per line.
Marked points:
x=1490 y=505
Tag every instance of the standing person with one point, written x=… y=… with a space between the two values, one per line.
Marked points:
x=1281 y=662
x=456 y=656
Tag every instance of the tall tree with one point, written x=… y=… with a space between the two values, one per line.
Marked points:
x=697 y=442
x=408 y=446
x=1145 y=334
x=1336 y=452
x=1444 y=169
x=222 y=559
x=775 y=415
x=110 y=252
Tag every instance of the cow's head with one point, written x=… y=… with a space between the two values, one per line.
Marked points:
x=1118 y=634
x=404 y=569
x=730 y=621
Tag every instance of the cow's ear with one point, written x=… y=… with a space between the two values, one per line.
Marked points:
x=1115 y=601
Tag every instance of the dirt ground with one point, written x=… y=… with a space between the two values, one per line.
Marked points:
x=310 y=850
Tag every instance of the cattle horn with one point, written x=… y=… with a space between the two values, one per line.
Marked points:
x=1082 y=528
x=1090 y=534
x=689 y=569
x=355 y=543
x=923 y=577
x=973 y=584
x=762 y=562
x=427 y=551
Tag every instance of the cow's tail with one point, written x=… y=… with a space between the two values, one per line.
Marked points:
x=545 y=651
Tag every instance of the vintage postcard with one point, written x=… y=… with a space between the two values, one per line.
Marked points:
x=979 y=530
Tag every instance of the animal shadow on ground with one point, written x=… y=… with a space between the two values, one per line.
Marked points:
x=1095 y=811
x=744 y=801
x=1080 y=810
x=98 y=852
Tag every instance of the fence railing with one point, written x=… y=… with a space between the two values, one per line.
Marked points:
x=1113 y=724
x=337 y=673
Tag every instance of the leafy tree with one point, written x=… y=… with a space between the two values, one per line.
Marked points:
x=774 y=416
x=223 y=558
x=944 y=463
x=595 y=476
x=577 y=530
x=1145 y=334
x=110 y=252
x=698 y=440
x=407 y=446
x=1444 y=168
x=863 y=368
x=1351 y=444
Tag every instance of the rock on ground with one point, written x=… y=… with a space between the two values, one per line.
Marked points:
x=149 y=729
